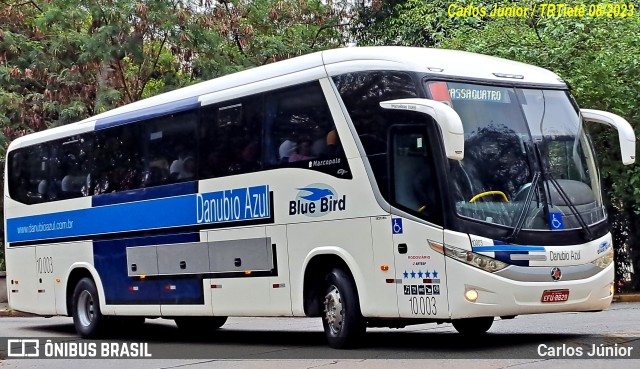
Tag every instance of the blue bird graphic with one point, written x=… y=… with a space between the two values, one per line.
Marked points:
x=315 y=193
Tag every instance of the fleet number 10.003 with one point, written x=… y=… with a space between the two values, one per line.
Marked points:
x=423 y=305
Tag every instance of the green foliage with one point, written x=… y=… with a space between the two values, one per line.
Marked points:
x=64 y=60
x=411 y=23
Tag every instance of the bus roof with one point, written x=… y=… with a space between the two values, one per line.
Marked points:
x=450 y=63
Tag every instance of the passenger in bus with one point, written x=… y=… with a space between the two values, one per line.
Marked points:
x=303 y=152
x=176 y=166
x=287 y=148
x=177 y=170
x=188 y=168
x=333 y=144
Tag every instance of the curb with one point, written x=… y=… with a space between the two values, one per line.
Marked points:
x=631 y=297
x=15 y=314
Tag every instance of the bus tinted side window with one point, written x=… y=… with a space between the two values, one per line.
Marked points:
x=362 y=93
x=300 y=132
x=28 y=174
x=118 y=159
x=169 y=144
x=230 y=138
x=70 y=168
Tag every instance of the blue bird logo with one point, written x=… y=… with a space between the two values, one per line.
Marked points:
x=316 y=193
x=603 y=247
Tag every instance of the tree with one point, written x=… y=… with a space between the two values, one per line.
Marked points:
x=64 y=60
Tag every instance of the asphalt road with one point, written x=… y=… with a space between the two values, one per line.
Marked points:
x=282 y=343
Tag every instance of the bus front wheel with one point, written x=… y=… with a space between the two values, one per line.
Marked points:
x=342 y=320
x=87 y=318
x=473 y=326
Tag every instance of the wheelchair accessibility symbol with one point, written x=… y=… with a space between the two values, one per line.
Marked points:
x=397 y=226
x=555 y=219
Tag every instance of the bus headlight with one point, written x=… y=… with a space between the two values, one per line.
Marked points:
x=474 y=259
x=604 y=260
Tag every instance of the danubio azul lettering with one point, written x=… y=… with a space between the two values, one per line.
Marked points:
x=233 y=205
x=230 y=205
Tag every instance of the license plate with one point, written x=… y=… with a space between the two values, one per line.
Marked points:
x=549 y=296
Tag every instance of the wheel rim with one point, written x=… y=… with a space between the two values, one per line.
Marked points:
x=333 y=310
x=86 y=313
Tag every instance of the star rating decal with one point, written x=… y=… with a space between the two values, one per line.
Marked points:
x=419 y=274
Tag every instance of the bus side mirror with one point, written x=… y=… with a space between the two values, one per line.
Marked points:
x=447 y=119
x=625 y=132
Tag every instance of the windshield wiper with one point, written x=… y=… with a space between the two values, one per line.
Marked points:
x=548 y=177
x=527 y=204
x=574 y=210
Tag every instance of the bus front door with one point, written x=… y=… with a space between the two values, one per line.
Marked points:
x=417 y=238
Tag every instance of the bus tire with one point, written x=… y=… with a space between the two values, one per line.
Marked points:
x=342 y=320
x=87 y=318
x=199 y=325
x=473 y=326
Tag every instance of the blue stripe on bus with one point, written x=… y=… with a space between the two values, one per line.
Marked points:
x=505 y=256
x=240 y=204
x=507 y=248
x=172 y=190
x=110 y=260
x=148 y=113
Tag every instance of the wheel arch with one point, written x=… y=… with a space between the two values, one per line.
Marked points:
x=316 y=265
x=77 y=271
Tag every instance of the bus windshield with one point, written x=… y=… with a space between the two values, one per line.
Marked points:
x=513 y=135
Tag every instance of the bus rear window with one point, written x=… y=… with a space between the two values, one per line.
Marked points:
x=28 y=174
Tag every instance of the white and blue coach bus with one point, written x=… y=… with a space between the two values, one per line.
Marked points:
x=367 y=186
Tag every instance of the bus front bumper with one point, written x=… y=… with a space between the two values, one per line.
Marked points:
x=500 y=296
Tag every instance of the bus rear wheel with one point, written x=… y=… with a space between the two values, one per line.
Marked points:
x=342 y=320
x=473 y=326
x=87 y=318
